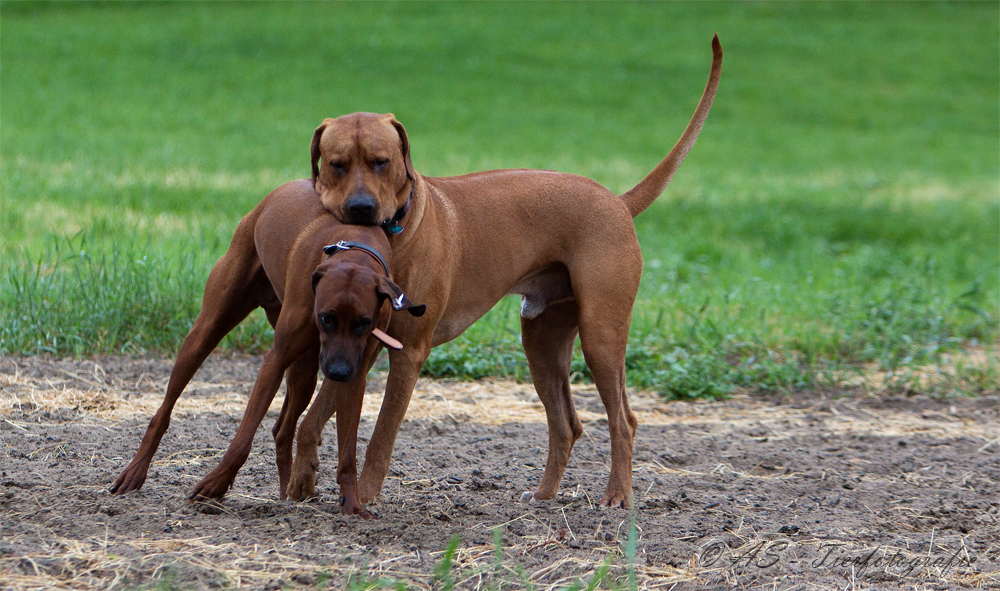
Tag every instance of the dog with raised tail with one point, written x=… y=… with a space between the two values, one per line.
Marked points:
x=564 y=243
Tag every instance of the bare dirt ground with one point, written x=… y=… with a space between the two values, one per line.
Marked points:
x=821 y=490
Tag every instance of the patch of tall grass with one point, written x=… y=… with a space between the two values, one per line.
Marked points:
x=72 y=300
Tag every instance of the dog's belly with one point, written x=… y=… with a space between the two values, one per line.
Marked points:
x=538 y=290
x=452 y=326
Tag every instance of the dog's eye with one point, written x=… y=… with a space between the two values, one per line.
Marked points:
x=381 y=164
x=327 y=320
x=361 y=326
x=338 y=167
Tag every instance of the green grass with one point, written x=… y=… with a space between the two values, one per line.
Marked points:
x=839 y=209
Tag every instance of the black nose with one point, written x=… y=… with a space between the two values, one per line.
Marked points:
x=337 y=371
x=361 y=208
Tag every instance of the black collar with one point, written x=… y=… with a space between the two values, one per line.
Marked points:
x=391 y=225
x=346 y=245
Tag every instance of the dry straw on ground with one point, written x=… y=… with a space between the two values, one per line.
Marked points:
x=86 y=395
x=489 y=402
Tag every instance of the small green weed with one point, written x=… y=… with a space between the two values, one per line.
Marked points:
x=444 y=579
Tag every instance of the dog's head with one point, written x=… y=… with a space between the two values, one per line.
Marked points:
x=350 y=306
x=361 y=167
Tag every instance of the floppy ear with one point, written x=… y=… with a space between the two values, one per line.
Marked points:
x=386 y=339
x=398 y=298
x=314 y=148
x=406 y=146
x=316 y=276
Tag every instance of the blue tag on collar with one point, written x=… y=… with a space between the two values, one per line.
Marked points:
x=395 y=229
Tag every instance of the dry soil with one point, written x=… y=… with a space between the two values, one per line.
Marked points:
x=815 y=490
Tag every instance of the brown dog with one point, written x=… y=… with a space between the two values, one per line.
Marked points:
x=564 y=243
x=274 y=262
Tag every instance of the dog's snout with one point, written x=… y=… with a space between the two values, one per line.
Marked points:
x=338 y=370
x=361 y=208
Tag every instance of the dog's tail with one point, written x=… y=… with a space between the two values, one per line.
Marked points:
x=642 y=195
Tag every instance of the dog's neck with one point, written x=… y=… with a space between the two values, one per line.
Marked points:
x=352 y=245
x=392 y=225
x=417 y=206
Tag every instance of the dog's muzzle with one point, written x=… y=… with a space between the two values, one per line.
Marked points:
x=361 y=210
x=338 y=370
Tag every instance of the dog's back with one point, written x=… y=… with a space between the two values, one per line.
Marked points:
x=281 y=218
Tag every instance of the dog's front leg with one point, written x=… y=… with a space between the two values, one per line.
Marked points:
x=349 y=403
x=404 y=368
x=302 y=483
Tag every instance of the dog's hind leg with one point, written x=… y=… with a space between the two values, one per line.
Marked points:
x=235 y=288
x=294 y=335
x=605 y=315
x=272 y=313
x=300 y=380
x=548 y=345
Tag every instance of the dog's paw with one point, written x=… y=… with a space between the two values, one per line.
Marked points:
x=368 y=489
x=301 y=487
x=537 y=496
x=131 y=478
x=616 y=501
x=354 y=507
x=211 y=488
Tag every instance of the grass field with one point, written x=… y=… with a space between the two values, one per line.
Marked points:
x=839 y=213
